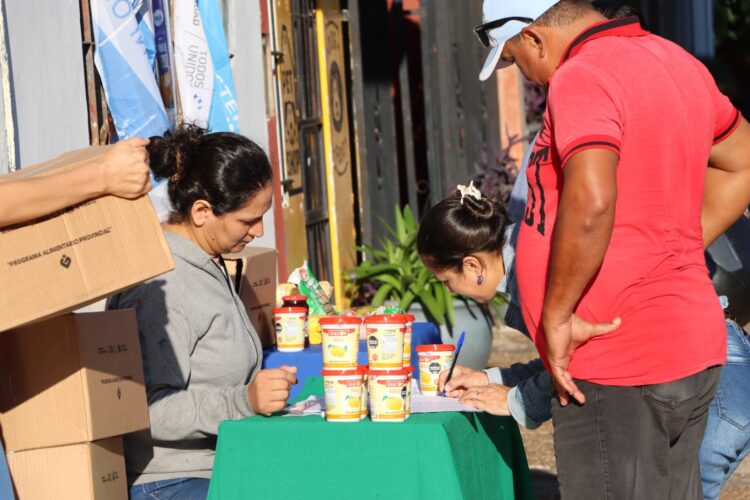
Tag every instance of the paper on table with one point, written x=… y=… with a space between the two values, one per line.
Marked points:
x=437 y=404
x=313 y=405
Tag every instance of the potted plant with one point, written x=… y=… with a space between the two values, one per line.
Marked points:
x=393 y=274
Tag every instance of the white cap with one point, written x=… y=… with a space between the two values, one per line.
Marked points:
x=493 y=10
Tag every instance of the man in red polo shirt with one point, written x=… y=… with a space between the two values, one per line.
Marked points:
x=614 y=228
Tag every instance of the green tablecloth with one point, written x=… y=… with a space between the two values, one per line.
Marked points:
x=433 y=456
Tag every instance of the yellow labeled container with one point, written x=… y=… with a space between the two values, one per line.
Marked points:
x=387 y=394
x=385 y=341
x=290 y=324
x=340 y=336
x=343 y=395
x=433 y=358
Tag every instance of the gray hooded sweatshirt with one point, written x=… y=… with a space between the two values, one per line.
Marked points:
x=200 y=352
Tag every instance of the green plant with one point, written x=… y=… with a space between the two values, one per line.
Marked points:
x=394 y=272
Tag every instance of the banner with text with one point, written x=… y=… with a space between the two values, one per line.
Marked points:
x=127 y=76
x=224 y=115
x=193 y=64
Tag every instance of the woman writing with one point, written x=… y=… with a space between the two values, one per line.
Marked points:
x=462 y=240
x=201 y=355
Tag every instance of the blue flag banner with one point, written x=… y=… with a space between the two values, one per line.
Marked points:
x=126 y=73
x=145 y=22
x=224 y=114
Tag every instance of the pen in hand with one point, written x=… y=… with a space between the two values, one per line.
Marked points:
x=453 y=363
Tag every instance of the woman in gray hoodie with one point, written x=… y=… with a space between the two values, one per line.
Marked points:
x=201 y=354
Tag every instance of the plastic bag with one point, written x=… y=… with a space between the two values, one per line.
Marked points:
x=317 y=301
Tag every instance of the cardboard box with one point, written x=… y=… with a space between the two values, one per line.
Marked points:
x=253 y=272
x=79 y=255
x=75 y=472
x=71 y=379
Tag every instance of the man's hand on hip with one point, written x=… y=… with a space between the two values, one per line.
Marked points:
x=563 y=337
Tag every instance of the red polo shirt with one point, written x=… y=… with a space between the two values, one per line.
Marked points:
x=621 y=88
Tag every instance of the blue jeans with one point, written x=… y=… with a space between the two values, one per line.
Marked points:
x=182 y=488
x=727 y=438
x=6 y=487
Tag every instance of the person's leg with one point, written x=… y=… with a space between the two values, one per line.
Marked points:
x=184 y=488
x=606 y=448
x=618 y=445
x=684 y=466
x=727 y=438
x=581 y=456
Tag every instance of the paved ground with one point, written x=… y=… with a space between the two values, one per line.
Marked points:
x=512 y=347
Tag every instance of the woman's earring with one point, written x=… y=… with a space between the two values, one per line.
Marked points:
x=480 y=279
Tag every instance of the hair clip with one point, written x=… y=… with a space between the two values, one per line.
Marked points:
x=469 y=190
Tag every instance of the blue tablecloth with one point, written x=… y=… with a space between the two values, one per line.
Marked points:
x=309 y=362
x=6 y=487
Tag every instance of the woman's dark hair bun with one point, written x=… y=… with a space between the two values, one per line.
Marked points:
x=456 y=227
x=482 y=209
x=167 y=154
x=223 y=168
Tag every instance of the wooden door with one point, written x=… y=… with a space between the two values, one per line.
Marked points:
x=285 y=79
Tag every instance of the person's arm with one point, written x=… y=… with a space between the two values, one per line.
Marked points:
x=585 y=219
x=530 y=402
x=727 y=190
x=516 y=373
x=489 y=390
x=121 y=171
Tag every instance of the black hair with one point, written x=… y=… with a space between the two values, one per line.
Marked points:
x=613 y=9
x=223 y=168
x=451 y=230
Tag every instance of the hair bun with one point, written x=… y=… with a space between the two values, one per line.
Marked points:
x=168 y=155
x=455 y=228
x=485 y=208
x=481 y=209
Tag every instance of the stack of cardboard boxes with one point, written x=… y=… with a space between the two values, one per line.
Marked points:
x=72 y=384
x=70 y=387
